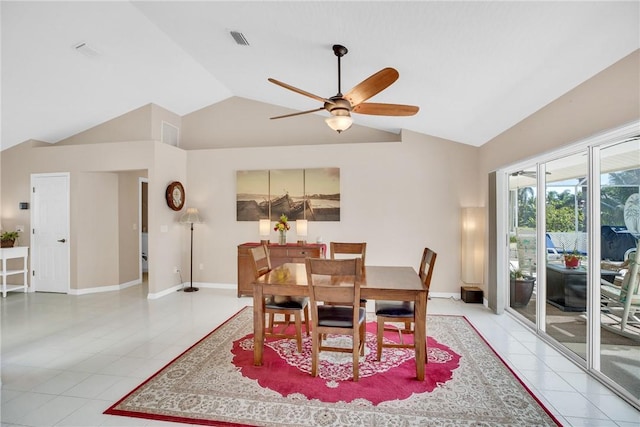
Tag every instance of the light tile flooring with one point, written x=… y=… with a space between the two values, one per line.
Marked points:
x=65 y=359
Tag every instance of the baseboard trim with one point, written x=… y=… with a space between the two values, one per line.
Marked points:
x=99 y=289
x=185 y=285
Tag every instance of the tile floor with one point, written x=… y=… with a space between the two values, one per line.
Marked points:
x=65 y=359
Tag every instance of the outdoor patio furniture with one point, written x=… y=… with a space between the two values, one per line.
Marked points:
x=620 y=305
x=567 y=287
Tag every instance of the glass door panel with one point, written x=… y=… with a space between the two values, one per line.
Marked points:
x=566 y=272
x=522 y=242
x=620 y=226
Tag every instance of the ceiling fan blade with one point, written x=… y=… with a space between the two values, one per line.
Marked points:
x=300 y=91
x=377 y=109
x=371 y=86
x=298 y=113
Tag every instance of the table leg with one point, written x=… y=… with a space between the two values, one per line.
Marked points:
x=258 y=325
x=420 y=338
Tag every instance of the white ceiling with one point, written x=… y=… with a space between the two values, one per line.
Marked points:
x=474 y=68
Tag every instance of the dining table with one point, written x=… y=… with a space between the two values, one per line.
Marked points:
x=394 y=283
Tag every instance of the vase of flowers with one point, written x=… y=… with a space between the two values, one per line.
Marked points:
x=281 y=227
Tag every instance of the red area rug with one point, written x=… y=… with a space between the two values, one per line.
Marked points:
x=391 y=378
x=215 y=383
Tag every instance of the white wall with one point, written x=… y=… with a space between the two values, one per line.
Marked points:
x=398 y=197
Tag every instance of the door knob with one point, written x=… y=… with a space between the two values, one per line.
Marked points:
x=62 y=240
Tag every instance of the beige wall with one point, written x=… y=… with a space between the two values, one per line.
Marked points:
x=399 y=197
x=141 y=124
x=238 y=122
x=165 y=231
x=132 y=126
x=94 y=222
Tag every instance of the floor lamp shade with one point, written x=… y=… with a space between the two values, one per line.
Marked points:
x=472 y=246
x=191 y=216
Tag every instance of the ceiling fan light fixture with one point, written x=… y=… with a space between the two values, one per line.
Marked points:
x=339 y=123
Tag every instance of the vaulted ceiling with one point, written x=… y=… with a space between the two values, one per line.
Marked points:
x=474 y=68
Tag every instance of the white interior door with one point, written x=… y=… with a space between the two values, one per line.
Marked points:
x=50 y=232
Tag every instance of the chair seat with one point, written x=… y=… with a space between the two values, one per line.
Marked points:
x=336 y=316
x=292 y=303
x=399 y=309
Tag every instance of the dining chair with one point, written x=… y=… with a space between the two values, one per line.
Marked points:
x=284 y=305
x=342 y=250
x=390 y=312
x=336 y=284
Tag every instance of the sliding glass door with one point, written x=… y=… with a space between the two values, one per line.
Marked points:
x=573 y=225
x=619 y=353
x=522 y=241
x=567 y=243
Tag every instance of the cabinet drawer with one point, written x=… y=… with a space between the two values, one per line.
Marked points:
x=303 y=253
x=277 y=252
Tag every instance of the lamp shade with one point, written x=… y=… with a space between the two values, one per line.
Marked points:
x=265 y=227
x=191 y=216
x=339 y=123
x=301 y=227
x=472 y=245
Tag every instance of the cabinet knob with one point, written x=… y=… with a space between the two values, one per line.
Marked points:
x=62 y=240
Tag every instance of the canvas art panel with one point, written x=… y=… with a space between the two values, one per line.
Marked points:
x=311 y=194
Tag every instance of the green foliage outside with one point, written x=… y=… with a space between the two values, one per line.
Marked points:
x=561 y=206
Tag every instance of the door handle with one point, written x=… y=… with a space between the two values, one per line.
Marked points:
x=62 y=240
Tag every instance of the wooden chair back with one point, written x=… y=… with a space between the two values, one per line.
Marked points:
x=352 y=250
x=426 y=267
x=260 y=260
x=334 y=281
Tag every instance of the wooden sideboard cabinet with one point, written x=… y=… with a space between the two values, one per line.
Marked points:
x=279 y=254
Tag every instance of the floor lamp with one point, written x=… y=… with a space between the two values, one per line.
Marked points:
x=191 y=217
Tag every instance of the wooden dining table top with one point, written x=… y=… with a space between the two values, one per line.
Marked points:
x=375 y=278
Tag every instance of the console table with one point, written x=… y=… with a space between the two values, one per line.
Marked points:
x=10 y=253
x=279 y=254
x=567 y=287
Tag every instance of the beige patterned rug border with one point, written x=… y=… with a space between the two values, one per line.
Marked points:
x=483 y=390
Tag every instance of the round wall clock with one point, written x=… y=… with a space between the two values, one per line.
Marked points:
x=175 y=195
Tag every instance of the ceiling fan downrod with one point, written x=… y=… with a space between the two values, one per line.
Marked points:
x=340 y=51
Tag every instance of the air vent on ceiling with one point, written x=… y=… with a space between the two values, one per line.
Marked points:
x=239 y=38
x=86 y=50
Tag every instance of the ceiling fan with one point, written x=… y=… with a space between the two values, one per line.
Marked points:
x=341 y=106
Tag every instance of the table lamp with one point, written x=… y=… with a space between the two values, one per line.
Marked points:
x=301 y=229
x=265 y=230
